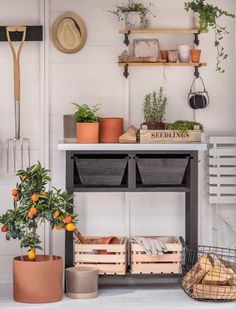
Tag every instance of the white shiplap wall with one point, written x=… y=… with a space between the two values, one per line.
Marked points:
x=92 y=76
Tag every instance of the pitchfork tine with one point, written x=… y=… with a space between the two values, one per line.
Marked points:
x=21 y=152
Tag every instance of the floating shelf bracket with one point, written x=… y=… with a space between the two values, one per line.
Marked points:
x=196 y=38
x=196 y=71
x=126 y=40
x=126 y=71
x=33 y=33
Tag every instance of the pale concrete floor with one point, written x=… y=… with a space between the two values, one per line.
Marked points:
x=122 y=298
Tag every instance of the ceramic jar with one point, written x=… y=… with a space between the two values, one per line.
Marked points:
x=164 y=55
x=133 y=21
x=173 y=55
x=184 y=53
x=87 y=133
x=110 y=130
x=69 y=129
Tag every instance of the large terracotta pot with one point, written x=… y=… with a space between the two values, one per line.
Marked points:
x=196 y=55
x=110 y=130
x=87 y=133
x=38 y=281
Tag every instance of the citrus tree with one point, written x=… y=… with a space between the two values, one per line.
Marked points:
x=33 y=205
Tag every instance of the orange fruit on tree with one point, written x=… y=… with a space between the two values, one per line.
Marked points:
x=67 y=219
x=34 y=198
x=44 y=193
x=32 y=212
x=16 y=198
x=70 y=227
x=31 y=254
x=4 y=229
x=56 y=213
x=14 y=192
x=58 y=228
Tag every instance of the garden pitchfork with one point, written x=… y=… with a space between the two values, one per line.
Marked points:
x=12 y=143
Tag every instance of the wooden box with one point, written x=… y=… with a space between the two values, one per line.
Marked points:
x=168 y=263
x=114 y=261
x=169 y=136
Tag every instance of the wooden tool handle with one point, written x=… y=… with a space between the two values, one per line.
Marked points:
x=16 y=57
x=79 y=236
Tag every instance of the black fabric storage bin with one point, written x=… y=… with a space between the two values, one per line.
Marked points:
x=162 y=171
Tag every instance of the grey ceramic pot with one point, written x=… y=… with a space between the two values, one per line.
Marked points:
x=69 y=129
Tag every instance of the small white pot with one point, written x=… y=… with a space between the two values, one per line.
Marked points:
x=133 y=21
x=184 y=53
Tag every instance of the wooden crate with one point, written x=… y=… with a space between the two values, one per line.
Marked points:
x=169 y=136
x=167 y=263
x=114 y=262
x=201 y=291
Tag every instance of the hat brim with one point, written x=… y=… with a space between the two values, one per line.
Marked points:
x=80 y=26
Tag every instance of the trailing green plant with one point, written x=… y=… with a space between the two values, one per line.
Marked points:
x=84 y=113
x=34 y=205
x=208 y=18
x=154 y=106
x=185 y=125
x=132 y=6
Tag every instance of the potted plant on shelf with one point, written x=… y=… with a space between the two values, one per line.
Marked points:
x=36 y=278
x=154 y=110
x=87 y=123
x=208 y=16
x=133 y=13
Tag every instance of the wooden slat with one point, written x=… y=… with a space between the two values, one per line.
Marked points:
x=170 y=247
x=222 y=190
x=165 y=268
x=91 y=248
x=158 y=64
x=222 y=171
x=222 y=199
x=222 y=140
x=100 y=258
x=160 y=31
x=222 y=161
x=223 y=152
x=107 y=268
x=175 y=257
x=222 y=180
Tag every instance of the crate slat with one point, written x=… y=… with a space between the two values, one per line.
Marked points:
x=168 y=136
x=154 y=258
x=155 y=268
x=107 y=269
x=99 y=258
x=91 y=248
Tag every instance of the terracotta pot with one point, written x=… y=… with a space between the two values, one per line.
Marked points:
x=82 y=282
x=110 y=130
x=111 y=240
x=173 y=56
x=196 y=55
x=87 y=133
x=164 y=55
x=38 y=281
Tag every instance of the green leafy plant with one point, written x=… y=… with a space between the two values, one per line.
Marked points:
x=184 y=125
x=34 y=205
x=132 y=6
x=208 y=18
x=154 y=106
x=84 y=113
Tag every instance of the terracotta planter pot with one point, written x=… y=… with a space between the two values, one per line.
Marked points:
x=164 y=55
x=87 y=133
x=196 y=55
x=110 y=130
x=38 y=281
x=108 y=241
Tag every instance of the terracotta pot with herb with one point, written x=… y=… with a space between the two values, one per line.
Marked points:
x=87 y=124
x=36 y=278
x=154 y=110
x=208 y=16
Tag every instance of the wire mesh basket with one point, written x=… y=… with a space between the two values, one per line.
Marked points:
x=209 y=274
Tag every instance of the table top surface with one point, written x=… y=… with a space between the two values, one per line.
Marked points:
x=132 y=147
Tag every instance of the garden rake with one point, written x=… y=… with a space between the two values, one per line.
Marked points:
x=17 y=141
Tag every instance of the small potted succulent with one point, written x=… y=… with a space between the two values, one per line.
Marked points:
x=154 y=110
x=87 y=123
x=133 y=13
x=36 y=278
x=207 y=17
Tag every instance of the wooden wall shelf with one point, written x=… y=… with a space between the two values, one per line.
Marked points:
x=158 y=64
x=161 y=31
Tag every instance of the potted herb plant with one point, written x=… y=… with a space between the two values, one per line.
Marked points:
x=208 y=15
x=185 y=125
x=154 y=110
x=133 y=13
x=87 y=123
x=36 y=278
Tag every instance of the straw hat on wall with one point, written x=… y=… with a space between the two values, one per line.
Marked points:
x=69 y=33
